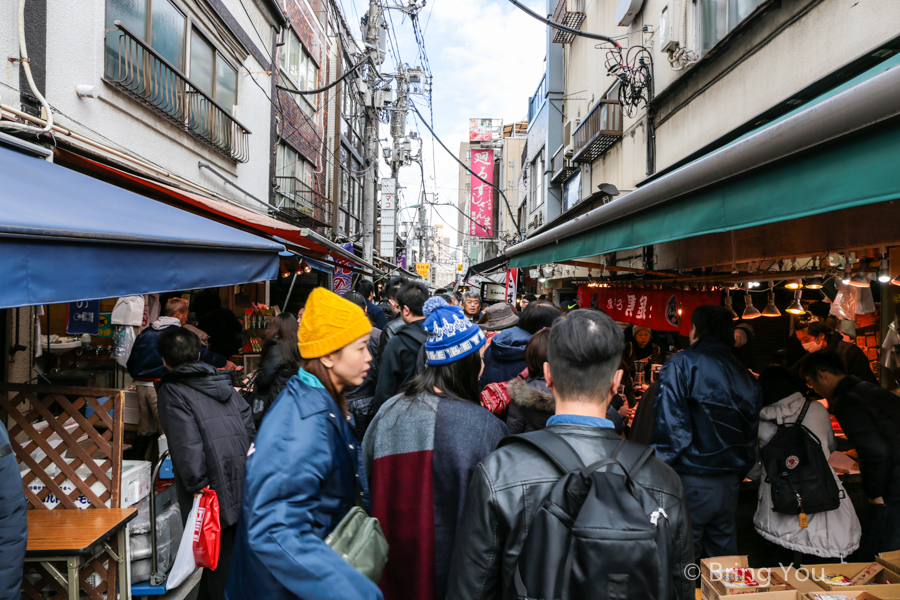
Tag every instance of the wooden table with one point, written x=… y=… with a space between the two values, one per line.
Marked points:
x=76 y=537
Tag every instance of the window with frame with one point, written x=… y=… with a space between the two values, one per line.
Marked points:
x=295 y=177
x=157 y=22
x=713 y=19
x=300 y=72
x=537 y=179
x=211 y=73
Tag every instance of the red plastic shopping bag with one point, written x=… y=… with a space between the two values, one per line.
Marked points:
x=207 y=530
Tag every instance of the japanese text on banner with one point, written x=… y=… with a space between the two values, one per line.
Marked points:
x=481 y=209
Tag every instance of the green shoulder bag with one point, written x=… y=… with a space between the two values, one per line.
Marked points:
x=359 y=540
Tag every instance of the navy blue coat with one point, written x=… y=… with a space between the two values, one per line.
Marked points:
x=505 y=356
x=301 y=480
x=706 y=412
x=13 y=523
x=146 y=362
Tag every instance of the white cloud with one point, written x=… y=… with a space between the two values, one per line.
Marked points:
x=487 y=58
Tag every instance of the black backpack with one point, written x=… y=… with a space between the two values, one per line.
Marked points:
x=598 y=534
x=798 y=471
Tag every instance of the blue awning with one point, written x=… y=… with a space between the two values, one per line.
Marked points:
x=65 y=237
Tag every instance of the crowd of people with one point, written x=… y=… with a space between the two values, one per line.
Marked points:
x=471 y=432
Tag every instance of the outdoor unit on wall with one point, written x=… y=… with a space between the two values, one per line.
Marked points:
x=627 y=10
x=570 y=126
x=669 y=26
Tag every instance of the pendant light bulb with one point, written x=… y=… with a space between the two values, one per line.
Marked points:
x=796 y=308
x=734 y=315
x=859 y=280
x=795 y=284
x=815 y=284
x=771 y=310
x=884 y=274
x=750 y=311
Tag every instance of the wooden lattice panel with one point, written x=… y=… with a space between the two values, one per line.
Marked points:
x=27 y=404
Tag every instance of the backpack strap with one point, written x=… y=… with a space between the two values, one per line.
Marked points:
x=806 y=405
x=550 y=444
x=629 y=456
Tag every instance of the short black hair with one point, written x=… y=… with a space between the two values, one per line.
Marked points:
x=585 y=352
x=356 y=298
x=822 y=362
x=178 y=346
x=440 y=291
x=395 y=284
x=448 y=297
x=413 y=296
x=530 y=297
x=365 y=287
x=537 y=315
x=714 y=323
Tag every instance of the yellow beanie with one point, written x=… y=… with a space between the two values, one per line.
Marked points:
x=329 y=323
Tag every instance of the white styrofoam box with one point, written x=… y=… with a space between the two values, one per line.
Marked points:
x=135 y=481
x=135 y=484
x=132 y=413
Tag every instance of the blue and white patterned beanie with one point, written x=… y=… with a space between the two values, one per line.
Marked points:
x=451 y=336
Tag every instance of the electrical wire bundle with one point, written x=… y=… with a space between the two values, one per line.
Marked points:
x=634 y=70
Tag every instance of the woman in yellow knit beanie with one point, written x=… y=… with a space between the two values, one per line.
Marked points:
x=304 y=468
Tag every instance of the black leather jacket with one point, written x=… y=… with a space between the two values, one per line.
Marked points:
x=506 y=491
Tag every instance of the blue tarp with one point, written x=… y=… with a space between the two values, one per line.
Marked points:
x=65 y=236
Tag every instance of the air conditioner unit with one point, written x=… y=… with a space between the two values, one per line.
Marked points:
x=669 y=26
x=568 y=151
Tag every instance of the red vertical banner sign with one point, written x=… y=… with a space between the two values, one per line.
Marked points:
x=512 y=284
x=481 y=209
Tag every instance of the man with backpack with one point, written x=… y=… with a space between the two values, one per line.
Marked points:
x=706 y=421
x=870 y=418
x=574 y=511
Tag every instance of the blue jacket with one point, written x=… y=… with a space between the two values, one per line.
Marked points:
x=505 y=356
x=301 y=480
x=146 y=362
x=706 y=412
x=376 y=315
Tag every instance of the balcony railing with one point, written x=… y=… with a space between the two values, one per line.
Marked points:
x=142 y=73
x=561 y=167
x=294 y=194
x=535 y=102
x=599 y=130
x=571 y=14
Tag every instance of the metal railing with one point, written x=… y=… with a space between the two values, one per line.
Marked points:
x=294 y=193
x=535 y=102
x=561 y=168
x=599 y=130
x=142 y=73
x=571 y=14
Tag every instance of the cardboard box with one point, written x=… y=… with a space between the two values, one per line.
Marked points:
x=800 y=581
x=768 y=580
x=708 y=593
x=864 y=576
x=854 y=594
x=891 y=560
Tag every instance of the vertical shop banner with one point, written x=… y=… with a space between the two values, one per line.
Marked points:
x=342 y=277
x=481 y=209
x=401 y=258
x=388 y=218
x=512 y=284
x=423 y=270
x=83 y=317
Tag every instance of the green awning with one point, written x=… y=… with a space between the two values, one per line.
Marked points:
x=855 y=170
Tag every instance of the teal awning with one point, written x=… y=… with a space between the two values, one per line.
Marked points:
x=853 y=170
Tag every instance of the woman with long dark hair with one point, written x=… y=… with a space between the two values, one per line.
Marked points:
x=305 y=467
x=279 y=362
x=421 y=450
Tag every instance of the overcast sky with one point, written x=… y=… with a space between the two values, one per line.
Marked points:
x=487 y=59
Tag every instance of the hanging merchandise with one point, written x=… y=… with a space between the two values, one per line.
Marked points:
x=123 y=337
x=129 y=310
x=844 y=305
x=865 y=303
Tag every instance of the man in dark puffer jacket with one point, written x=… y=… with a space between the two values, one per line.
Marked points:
x=209 y=428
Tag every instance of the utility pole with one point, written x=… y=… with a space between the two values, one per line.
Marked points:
x=374 y=35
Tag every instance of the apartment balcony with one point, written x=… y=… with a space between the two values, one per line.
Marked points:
x=302 y=203
x=142 y=73
x=561 y=167
x=571 y=14
x=597 y=132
